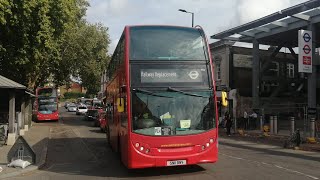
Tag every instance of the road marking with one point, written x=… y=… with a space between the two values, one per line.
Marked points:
x=273 y=165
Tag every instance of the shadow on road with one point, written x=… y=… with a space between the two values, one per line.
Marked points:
x=93 y=157
x=97 y=131
x=271 y=152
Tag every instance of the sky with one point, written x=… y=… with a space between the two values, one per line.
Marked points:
x=212 y=15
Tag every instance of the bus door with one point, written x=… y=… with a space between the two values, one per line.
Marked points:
x=111 y=118
x=123 y=123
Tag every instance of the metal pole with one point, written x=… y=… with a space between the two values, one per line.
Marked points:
x=235 y=125
x=292 y=125
x=255 y=74
x=312 y=127
x=275 y=124
x=271 y=124
x=305 y=117
x=192 y=18
x=261 y=123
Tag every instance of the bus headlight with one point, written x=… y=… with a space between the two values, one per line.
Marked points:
x=137 y=145
x=141 y=147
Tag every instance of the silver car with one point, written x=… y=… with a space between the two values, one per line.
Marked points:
x=72 y=108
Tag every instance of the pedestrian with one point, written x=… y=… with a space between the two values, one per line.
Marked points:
x=245 y=120
x=254 y=120
x=228 y=123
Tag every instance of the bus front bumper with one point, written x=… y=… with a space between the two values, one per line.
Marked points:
x=142 y=160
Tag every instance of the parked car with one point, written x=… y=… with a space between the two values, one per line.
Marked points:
x=91 y=114
x=81 y=110
x=72 y=108
x=66 y=104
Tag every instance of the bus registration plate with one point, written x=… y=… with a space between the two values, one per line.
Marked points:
x=176 y=163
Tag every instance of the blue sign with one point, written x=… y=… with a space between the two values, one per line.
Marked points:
x=306 y=37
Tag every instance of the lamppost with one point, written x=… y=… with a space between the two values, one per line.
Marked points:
x=182 y=10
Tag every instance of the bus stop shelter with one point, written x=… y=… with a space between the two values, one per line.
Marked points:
x=15 y=108
x=279 y=30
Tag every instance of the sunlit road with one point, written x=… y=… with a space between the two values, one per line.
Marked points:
x=77 y=150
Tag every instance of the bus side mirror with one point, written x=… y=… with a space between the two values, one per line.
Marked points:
x=120 y=105
x=224 y=99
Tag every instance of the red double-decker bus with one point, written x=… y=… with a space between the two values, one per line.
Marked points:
x=46 y=104
x=161 y=106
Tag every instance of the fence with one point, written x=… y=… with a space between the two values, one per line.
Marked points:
x=285 y=119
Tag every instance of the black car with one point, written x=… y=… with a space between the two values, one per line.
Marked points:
x=92 y=114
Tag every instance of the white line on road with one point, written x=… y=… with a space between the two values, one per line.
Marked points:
x=273 y=165
x=313 y=177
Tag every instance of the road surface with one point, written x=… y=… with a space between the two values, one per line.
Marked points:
x=77 y=150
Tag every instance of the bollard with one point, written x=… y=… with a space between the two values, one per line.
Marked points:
x=271 y=124
x=275 y=124
x=292 y=125
x=312 y=127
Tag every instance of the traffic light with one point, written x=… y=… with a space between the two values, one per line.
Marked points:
x=224 y=99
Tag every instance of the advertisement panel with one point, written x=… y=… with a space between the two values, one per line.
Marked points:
x=305 y=51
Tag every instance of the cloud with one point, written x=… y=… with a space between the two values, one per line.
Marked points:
x=213 y=16
x=249 y=10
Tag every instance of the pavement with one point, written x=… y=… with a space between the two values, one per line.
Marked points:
x=257 y=136
x=37 y=137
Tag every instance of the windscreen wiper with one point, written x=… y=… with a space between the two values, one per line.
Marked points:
x=149 y=93
x=185 y=93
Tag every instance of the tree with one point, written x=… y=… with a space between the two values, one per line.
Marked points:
x=85 y=51
x=50 y=38
x=31 y=32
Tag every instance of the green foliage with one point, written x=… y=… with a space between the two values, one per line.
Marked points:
x=73 y=95
x=50 y=38
x=84 y=50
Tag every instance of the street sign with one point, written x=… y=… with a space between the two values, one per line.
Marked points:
x=305 y=51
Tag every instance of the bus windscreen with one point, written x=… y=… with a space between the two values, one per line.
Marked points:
x=172 y=112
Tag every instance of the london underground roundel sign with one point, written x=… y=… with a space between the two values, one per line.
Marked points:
x=305 y=51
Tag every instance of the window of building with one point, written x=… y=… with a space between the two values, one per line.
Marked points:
x=274 y=67
x=290 y=70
